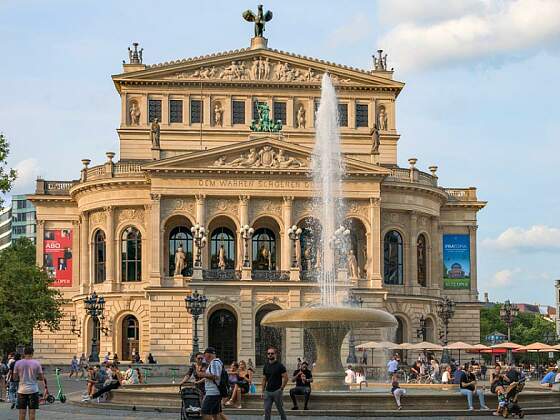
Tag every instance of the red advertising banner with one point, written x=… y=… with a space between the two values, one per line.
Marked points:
x=57 y=256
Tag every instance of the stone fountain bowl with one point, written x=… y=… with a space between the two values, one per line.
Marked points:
x=328 y=326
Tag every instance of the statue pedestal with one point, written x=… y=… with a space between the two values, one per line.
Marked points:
x=246 y=273
x=259 y=42
x=197 y=273
x=178 y=280
x=342 y=275
x=375 y=158
x=294 y=274
x=156 y=154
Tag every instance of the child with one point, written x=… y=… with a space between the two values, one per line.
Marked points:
x=397 y=391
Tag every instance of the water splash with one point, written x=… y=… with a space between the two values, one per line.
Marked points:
x=327 y=180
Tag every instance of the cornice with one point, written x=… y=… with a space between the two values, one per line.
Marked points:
x=105 y=184
x=405 y=186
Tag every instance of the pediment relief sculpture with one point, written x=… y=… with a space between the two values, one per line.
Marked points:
x=264 y=157
x=259 y=68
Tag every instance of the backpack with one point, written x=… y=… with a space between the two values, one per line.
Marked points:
x=223 y=386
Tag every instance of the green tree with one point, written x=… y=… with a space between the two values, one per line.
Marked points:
x=26 y=300
x=526 y=328
x=7 y=176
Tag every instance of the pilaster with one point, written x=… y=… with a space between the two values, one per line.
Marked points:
x=287 y=248
x=155 y=239
x=374 y=244
x=294 y=336
x=412 y=277
x=436 y=274
x=243 y=220
x=76 y=255
x=310 y=113
x=111 y=263
x=39 y=258
x=246 y=327
x=86 y=281
x=200 y=203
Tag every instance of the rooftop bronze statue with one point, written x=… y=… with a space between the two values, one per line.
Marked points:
x=260 y=18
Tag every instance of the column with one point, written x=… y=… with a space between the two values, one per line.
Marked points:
x=144 y=110
x=474 y=286
x=227 y=108
x=206 y=111
x=124 y=112
x=290 y=113
x=40 y=235
x=246 y=325
x=155 y=240
x=165 y=109
x=111 y=241
x=287 y=247
x=412 y=267
x=76 y=255
x=310 y=113
x=374 y=244
x=200 y=203
x=86 y=281
x=243 y=220
x=436 y=274
x=352 y=113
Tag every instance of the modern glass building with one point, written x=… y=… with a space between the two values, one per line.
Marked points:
x=24 y=220
x=5 y=227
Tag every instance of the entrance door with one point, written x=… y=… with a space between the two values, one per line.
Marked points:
x=130 y=337
x=222 y=335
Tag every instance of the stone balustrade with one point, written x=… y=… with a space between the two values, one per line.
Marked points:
x=412 y=176
x=461 y=194
x=44 y=187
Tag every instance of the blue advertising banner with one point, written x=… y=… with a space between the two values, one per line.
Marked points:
x=456 y=262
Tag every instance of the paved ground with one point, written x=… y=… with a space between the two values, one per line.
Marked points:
x=72 y=387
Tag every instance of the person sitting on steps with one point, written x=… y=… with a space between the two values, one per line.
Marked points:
x=303 y=378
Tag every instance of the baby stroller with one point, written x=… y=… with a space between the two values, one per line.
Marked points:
x=190 y=402
x=509 y=405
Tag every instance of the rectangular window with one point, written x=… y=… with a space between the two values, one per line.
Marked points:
x=20 y=217
x=280 y=112
x=175 y=111
x=343 y=115
x=18 y=230
x=154 y=109
x=21 y=204
x=238 y=112
x=196 y=111
x=361 y=115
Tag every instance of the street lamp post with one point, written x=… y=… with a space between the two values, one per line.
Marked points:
x=94 y=306
x=195 y=304
x=199 y=236
x=294 y=234
x=339 y=242
x=74 y=330
x=445 y=311
x=246 y=233
x=356 y=302
x=508 y=312
x=421 y=332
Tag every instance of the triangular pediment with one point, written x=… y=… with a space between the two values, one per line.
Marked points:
x=258 y=154
x=257 y=66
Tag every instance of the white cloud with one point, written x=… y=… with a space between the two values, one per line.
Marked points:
x=27 y=172
x=503 y=278
x=536 y=238
x=436 y=34
x=397 y=11
x=357 y=29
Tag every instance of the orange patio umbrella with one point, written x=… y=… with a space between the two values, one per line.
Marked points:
x=538 y=347
x=508 y=345
x=458 y=345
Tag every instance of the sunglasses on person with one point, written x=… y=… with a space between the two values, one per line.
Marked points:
x=271 y=354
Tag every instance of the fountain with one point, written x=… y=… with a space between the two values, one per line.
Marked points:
x=328 y=324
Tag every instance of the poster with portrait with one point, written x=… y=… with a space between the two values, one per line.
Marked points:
x=456 y=262
x=57 y=256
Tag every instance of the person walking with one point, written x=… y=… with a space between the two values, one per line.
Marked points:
x=13 y=382
x=392 y=367
x=83 y=365
x=467 y=387
x=274 y=381
x=303 y=378
x=212 y=403
x=28 y=372
x=74 y=367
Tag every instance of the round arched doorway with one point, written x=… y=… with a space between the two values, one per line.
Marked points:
x=130 y=334
x=266 y=337
x=222 y=334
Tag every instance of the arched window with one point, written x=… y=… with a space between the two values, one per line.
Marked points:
x=421 y=260
x=400 y=335
x=222 y=334
x=99 y=255
x=131 y=254
x=222 y=237
x=266 y=337
x=130 y=337
x=264 y=250
x=309 y=243
x=180 y=236
x=393 y=258
x=430 y=330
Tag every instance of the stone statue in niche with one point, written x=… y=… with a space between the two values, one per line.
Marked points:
x=308 y=258
x=221 y=258
x=375 y=142
x=353 y=270
x=154 y=133
x=180 y=258
x=134 y=113
x=218 y=115
x=382 y=119
x=301 y=116
x=264 y=261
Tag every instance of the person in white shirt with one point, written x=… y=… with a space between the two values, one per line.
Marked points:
x=392 y=367
x=446 y=377
x=361 y=377
x=350 y=377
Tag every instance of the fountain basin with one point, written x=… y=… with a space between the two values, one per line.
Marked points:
x=328 y=326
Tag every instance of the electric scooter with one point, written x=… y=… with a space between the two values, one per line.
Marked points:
x=60 y=395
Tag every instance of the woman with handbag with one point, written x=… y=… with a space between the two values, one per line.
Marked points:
x=242 y=385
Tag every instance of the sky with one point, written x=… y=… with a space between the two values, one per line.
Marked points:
x=479 y=101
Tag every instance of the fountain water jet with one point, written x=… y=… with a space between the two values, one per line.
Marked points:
x=327 y=323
